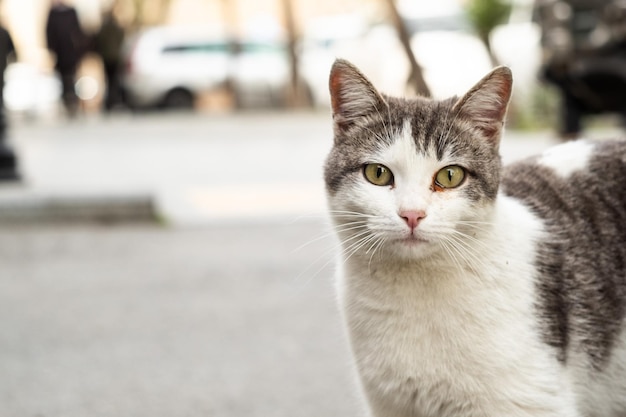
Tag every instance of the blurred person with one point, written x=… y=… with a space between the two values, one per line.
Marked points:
x=584 y=56
x=108 y=44
x=66 y=40
x=8 y=161
x=7 y=52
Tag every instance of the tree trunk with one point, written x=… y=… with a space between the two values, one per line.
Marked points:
x=296 y=96
x=495 y=62
x=416 y=78
x=231 y=17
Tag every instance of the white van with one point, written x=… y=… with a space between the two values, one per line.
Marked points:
x=172 y=66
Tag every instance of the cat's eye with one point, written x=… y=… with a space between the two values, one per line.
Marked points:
x=450 y=177
x=378 y=174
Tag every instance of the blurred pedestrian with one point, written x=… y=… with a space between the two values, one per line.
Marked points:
x=584 y=56
x=66 y=40
x=108 y=44
x=8 y=163
x=7 y=51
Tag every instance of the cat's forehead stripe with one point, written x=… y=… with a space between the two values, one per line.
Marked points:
x=420 y=139
x=404 y=153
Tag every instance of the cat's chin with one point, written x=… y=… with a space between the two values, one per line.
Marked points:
x=411 y=248
x=412 y=241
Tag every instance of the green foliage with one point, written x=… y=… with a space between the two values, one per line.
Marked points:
x=539 y=112
x=485 y=15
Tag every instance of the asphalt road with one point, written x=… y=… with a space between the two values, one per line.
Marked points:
x=199 y=167
x=227 y=320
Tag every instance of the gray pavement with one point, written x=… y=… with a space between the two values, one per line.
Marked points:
x=130 y=320
x=197 y=168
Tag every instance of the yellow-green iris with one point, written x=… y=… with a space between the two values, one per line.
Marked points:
x=450 y=177
x=378 y=174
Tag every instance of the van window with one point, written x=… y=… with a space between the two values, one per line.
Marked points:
x=196 y=48
x=261 y=48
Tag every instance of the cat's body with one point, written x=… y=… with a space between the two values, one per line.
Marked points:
x=492 y=295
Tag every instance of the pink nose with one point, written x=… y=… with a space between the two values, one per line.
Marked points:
x=412 y=217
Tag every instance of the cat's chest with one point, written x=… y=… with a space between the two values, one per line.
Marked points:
x=406 y=320
x=437 y=328
x=430 y=348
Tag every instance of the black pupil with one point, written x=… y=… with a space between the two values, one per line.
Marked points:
x=380 y=171
x=450 y=175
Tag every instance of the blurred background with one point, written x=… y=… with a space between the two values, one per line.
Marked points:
x=227 y=54
x=164 y=248
x=230 y=55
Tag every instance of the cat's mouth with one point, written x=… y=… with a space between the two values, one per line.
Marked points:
x=412 y=240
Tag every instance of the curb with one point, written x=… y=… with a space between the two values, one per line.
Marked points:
x=29 y=207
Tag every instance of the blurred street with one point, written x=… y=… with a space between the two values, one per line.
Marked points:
x=147 y=321
x=225 y=309
x=195 y=168
x=227 y=318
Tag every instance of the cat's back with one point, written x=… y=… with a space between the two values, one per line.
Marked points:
x=578 y=189
x=577 y=186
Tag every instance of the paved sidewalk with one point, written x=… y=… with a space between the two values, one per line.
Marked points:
x=143 y=321
x=182 y=168
x=193 y=168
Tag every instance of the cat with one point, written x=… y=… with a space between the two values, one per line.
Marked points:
x=469 y=289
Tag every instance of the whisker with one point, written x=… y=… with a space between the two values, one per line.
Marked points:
x=353 y=249
x=446 y=245
x=470 y=238
x=376 y=248
x=468 y=253
x=357 y=240
x=337 y=229
x=356 y=213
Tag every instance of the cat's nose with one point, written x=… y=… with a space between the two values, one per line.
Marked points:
x=412 y=217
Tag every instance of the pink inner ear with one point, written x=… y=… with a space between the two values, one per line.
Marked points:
x=503 y=93
x=335 y=84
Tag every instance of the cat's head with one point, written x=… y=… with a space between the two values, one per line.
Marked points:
x=413 y=176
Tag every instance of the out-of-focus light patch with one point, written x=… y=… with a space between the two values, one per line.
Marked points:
x=87 y=88
x=29 y=89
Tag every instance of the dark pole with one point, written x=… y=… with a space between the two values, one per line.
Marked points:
x=8 y=159
x=416 y=78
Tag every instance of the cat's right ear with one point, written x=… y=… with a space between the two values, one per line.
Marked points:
x=352 y=96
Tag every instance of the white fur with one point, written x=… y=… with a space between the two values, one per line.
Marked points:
x=600 y=393
x=567 y=158
x=442 y=333
x=432 y=340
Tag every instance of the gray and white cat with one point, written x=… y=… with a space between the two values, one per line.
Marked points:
x=468 y=289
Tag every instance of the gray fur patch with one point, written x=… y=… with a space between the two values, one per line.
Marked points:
x=354 y=146
x=581 y=262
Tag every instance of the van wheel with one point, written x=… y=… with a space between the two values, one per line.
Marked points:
x=178 y=99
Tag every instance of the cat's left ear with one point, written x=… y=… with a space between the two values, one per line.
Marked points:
x=486 y=103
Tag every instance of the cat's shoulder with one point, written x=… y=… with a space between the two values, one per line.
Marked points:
x=573 y=180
